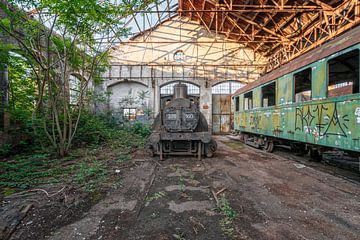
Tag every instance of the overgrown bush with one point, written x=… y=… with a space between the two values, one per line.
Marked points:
x=92 y=129
x=141 y=129
x=96 y=129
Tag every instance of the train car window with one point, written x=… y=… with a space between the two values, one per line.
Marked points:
x=302 y=81
x=248 y=100
x=237 y=103
x=268 y=93
x=343 y=74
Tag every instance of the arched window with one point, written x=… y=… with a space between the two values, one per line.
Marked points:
x=169 y=89
x=228 y=87
x=179 y=56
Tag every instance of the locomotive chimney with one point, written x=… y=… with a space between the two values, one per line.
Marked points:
x=180 y=91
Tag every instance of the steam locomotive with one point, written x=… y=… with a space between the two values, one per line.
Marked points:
x=181 y=129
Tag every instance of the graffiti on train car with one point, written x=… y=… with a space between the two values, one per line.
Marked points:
x=322 y=119
x=255 y=120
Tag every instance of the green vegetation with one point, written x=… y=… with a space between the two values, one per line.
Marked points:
x=54 y=135
x=90 y=174
x=87 y=166
x=62 y=48
x=155 y=196
x=234 y=144
x=229 y=215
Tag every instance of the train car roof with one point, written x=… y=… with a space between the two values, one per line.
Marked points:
x=339 y=43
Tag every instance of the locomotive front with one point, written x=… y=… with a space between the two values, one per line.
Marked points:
x=181 y=129
x=181 y=114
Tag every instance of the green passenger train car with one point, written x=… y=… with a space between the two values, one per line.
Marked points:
x=312 y=103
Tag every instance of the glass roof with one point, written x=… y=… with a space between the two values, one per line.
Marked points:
x=155 y=14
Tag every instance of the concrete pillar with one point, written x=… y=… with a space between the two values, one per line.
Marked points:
x=206 y=101
x=156 y=98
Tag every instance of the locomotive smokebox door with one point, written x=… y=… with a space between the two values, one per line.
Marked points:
x=181 y=129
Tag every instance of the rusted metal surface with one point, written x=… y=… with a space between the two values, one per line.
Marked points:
x=180 y=128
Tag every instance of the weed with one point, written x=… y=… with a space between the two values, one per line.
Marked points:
x=155 y=196
x=91 y=175
x=182 y=184
x=229 y=214
x=234 y=145
x=25 y=171
x=123 y=158
x=31 y=169
x=191 y=175
x=180 y=235
x=5 y=149
x=9 y=191
x=154 y=215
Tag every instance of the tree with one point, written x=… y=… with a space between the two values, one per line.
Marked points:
x=60 y=38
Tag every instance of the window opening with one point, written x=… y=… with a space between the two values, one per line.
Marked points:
x=229 y=87
x=169 y=89
x=74 y=86
x=248 y=100
x=237 y=104
x=302 y=81
x=268 y=95
x=343 y=74
x=179 y=56
x=129 y=113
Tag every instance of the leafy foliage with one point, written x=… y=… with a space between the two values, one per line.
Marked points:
x=60 y=38
x=155 y=196
x=141 y=129
x=88 y=162
x=25 y=171
x=90 y=174
x=227 y=222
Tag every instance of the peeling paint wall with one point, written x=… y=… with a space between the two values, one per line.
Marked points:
x=149 y=60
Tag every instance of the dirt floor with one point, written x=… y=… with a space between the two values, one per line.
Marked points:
x=241 y=193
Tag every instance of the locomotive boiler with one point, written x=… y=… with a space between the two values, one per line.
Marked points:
x=180 y=128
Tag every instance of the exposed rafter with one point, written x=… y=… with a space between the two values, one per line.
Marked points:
x=278 y=29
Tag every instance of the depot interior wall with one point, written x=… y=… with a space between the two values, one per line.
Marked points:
x=150 y=61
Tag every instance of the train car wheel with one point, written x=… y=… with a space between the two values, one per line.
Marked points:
x=161 y=151
x=241 y=137
x=269 y=146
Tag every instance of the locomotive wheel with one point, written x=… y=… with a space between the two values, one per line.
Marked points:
x=268 y=146
x=199 y=150
x=161 y=151
x=210 y=148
